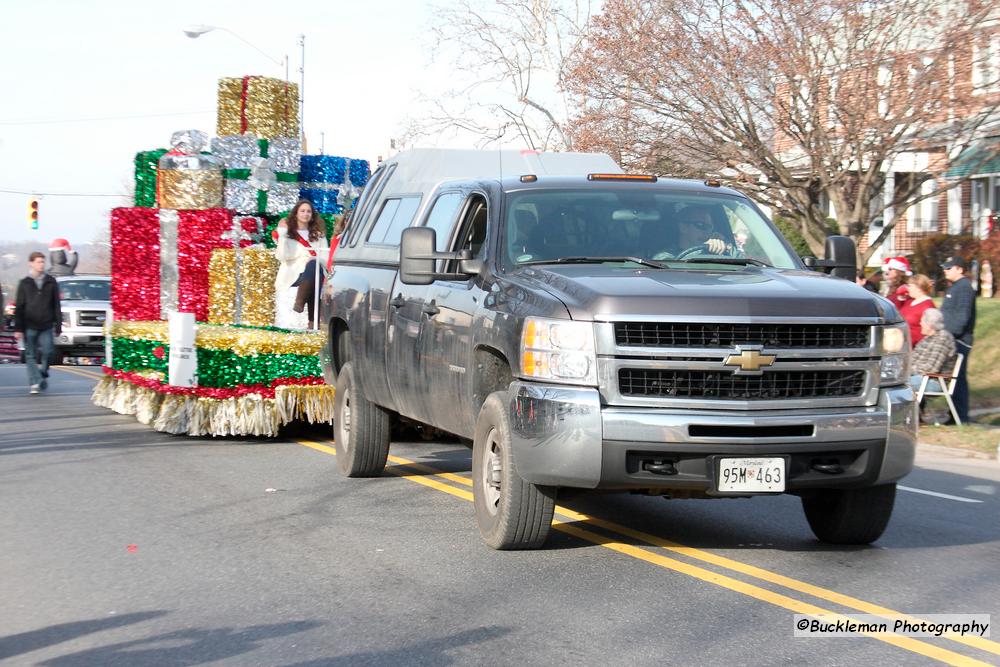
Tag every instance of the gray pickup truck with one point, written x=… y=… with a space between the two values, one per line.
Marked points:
x=588 y=329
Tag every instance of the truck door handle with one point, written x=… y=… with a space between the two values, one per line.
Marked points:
x=431 y=309
x=398 y=301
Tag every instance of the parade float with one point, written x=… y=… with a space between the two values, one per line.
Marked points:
x=192 y=348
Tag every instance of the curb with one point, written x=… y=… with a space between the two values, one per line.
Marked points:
x=955 y=452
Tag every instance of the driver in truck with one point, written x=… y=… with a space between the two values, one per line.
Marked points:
x=696 y=234
x=697 y=229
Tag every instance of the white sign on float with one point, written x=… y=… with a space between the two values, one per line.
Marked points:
x=182 y=370
x=109 y=319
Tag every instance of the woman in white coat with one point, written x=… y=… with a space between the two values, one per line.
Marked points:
x=300 y=238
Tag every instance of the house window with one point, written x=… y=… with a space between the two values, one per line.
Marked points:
x=884 y=83
x=923 y=216
x=986 y=64
x=832 y=110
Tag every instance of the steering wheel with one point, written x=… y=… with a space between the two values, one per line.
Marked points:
x=700 y=249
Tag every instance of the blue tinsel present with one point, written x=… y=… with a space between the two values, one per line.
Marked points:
x=359 y=172
x=323 y=169
x=323 y=200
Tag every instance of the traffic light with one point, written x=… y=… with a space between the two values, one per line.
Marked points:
x=33 y=213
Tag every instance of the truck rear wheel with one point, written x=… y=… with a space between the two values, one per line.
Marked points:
x=361 y=429
x=511 y=513
x=850 y=516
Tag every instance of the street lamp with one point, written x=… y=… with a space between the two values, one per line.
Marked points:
x=196 y=31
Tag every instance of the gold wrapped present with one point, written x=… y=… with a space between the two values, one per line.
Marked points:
x=258 y=105
x=187 y=179
x=243 y=294
x=186 y=188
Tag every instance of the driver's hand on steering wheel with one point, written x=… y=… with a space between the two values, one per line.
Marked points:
x=717 y=246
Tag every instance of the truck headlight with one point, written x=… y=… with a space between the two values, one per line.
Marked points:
x=894 y=354
x=559 y=350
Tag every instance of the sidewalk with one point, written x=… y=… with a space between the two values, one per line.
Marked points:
x=954 y=452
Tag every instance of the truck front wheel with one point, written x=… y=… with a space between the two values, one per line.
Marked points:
x=850 y=516
x=361 y=429
x=511 y=513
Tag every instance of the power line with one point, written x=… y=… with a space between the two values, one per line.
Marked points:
x=55 y=121
x=59 y=194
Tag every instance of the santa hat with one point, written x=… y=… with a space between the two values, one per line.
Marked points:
x=898 y=263
x=60 y=244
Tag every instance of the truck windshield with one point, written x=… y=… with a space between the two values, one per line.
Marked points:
x=84 y=290
x=675 y=229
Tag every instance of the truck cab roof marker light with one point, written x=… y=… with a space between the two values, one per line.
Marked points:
x=640 y=178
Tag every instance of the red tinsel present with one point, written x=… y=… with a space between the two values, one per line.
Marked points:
x=160 y=257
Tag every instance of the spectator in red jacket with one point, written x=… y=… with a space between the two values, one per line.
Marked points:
x=897 y=270
x=919 y=287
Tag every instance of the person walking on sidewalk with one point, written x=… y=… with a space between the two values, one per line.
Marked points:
x=37 y=318
x=959 y=310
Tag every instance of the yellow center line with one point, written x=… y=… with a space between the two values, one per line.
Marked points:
x=772 y=577
x=728 y=563
x=749 y=589
x=75 y=371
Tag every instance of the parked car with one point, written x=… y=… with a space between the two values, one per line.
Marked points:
x=9 y=349
x=589 y=329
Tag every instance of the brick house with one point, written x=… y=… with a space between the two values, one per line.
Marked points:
x=967 y=208
x=972 y=87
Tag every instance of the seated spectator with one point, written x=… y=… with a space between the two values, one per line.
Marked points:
x=935 y=353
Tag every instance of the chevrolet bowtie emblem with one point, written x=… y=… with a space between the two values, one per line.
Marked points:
x=749 y=360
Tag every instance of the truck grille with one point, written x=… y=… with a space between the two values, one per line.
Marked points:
x=725 y=385
x=90 y=318
x=783 y=336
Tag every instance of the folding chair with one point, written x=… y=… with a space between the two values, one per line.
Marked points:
x=946 y=382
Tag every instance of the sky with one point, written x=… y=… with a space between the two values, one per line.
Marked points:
x=85 y=84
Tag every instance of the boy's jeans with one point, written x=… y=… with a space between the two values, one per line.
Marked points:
x=37 y=341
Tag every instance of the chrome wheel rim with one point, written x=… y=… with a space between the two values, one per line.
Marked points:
x=344 y=425
x=491 y=473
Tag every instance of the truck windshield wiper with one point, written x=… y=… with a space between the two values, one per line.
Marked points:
x=738 y=261
x=596 y=260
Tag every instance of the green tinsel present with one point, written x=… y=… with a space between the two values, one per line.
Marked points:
x=145 y=177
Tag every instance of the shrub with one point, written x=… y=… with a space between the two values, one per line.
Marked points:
x=790 y=231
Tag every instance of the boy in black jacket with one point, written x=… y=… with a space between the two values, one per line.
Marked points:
x=37 y=318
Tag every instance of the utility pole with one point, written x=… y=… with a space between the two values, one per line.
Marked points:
x=302 y=91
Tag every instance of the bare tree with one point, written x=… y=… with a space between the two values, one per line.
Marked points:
x=509 y=60
x=799 y=101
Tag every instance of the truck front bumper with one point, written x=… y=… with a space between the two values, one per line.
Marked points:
x=73 y=339
x=561 y=436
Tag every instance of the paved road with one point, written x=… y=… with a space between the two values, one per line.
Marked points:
x=123 y=546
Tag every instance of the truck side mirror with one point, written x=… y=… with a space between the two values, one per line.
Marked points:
x=417 y=258
x=841 y=252
x=841 y=258
x=416 y=255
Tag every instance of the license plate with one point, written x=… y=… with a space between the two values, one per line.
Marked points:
x=751 y=475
